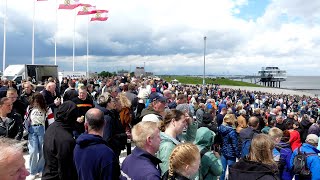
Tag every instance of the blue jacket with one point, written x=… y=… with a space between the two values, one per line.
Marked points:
x=230 y=147
x=285 y=152
x=94 y=159
x=140 y=165
x=313 y=161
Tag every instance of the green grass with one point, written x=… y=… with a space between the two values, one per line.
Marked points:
x=198 y=80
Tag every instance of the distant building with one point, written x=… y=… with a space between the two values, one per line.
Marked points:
x=272 y=76
x=139 y=71
x=122 y=72
x=149 y=73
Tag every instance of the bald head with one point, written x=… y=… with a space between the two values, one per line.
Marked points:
x=291 y=115
x=94 y=120
x=254 y=122
x=51 y=87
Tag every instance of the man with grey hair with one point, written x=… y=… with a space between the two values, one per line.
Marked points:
x=280 y=123
x=142 y=163
x=92 y=157
x=312 y=158
x=27 y=91
x=49 y=94
x=12 y=163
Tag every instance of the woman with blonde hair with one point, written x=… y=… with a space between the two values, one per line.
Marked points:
x=229 y=150
x=172 y=127
x=125 y=112
x=184 y=162
x=259 y=164
x=241 y=121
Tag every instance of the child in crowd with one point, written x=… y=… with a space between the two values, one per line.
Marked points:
x=184 y=162
x=282 y=152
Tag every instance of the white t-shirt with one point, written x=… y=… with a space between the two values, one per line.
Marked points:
x=37 y=116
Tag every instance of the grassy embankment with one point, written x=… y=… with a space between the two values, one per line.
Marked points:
x=198 y=80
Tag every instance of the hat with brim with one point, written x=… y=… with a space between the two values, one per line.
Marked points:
x=157 y=97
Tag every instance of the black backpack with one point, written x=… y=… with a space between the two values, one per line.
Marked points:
x=300 y=164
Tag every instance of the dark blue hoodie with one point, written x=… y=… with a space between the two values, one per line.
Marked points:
x=94 y=159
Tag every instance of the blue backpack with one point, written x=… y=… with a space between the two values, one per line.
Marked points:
x=245 y=149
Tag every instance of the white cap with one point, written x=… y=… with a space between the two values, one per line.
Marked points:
x=151 y=117
x=312 y=138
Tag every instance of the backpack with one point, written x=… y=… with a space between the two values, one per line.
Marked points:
x=300 y=164
x=245 y=148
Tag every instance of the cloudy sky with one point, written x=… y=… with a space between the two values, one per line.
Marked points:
x=242 y=35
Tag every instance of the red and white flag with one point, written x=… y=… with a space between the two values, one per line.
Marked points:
x=67 y=4
x=101 y=15
x=87 y=9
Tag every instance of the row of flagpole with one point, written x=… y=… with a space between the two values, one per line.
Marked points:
x=68 y=6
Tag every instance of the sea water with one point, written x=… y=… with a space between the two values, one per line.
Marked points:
x=309 y=84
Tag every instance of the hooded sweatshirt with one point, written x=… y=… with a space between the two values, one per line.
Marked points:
x=94 y=159
x=59 y=144
x=211 y=166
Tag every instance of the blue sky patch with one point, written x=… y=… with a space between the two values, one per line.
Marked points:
x=253 y=10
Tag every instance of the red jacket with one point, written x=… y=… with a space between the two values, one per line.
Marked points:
x=295 y=141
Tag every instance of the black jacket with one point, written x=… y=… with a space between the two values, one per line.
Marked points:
x=59 y=144
x=25 y=98
x=114 y=132
x=13 y=127
x=250 y=170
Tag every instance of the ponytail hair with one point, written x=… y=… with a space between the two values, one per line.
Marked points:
x=172 y=114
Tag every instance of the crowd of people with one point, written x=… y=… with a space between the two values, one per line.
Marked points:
x=77 y=129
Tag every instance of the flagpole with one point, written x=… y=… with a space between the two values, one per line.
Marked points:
x=55 y=35
x=74 y=32
x=34 y=7
x=88 y=46
x=4 y=37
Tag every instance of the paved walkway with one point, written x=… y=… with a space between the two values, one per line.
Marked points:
x=123 y=155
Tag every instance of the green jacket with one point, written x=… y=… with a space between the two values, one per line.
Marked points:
x=168 y=143
x=211 y=166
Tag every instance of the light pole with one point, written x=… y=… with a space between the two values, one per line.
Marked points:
x=204 y=60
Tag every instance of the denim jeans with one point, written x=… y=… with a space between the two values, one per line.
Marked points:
x=226 y=162
x=35 y=145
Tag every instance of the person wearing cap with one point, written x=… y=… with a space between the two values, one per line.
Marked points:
x=157 y=106
x=313 y=160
